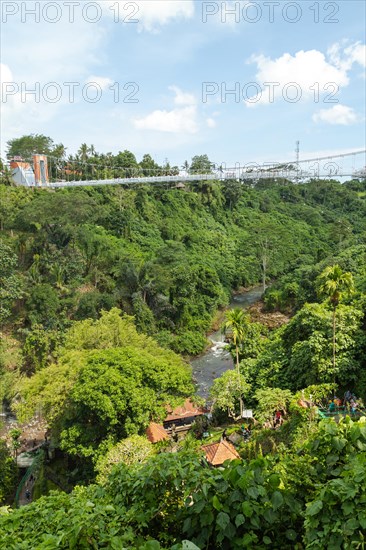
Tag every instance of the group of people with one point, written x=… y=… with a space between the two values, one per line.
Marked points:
x=349 y=403
x=352 y=402
x=246 y=432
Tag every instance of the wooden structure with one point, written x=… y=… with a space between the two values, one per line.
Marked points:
x=156 y=432
x=218 y=453
x=184 y=415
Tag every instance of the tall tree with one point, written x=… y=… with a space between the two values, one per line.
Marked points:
x=235 y=325
x=201 y=164
x=83 y=152
x=127 y=164
x=149 y=166
x=28 y=145
x=334 y=284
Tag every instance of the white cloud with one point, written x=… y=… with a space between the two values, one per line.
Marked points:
x=344 y=56
x=182 y=98
x=178 y=120
x=149 y=14
x=339 y=114
x=211 y=123
x=10 y=97
x=306 y=70
x=357 y=53
x=184 y=118
x=101 y=81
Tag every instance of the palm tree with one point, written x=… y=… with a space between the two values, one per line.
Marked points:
x=185 y=166
x=59 y=151
x=235 y=324
x=83 y=152
x=92 y=151
x=334 y=284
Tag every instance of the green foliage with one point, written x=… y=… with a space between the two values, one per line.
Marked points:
x=334 y=283
x=168 y=256
x=15 y=434
x=26 y=146
x=336 y=518
x=308 y=338
x=315 y=497
x=108 y=384
x=271 y=400
x=39 y=346
x=43 y=306
x=201 y=165
x=10 y=282
x=227 y=391
x=8 y=473
x=299 y=354
x=317 y=394
x=134 y=449
x=189 y=342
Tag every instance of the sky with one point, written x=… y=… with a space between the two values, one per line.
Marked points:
x=239 y=81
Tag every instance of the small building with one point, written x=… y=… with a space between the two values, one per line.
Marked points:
x=218 y=453
x=155 y=433
x=184 y=415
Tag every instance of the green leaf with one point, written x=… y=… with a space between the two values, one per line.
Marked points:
x=187 y=524
x=206 y=518
x=223 y=520
x=247 y=509
x=314 y=507
x=248 y=539
x=274 y=480
x=253 y=492
x=277 y=500
x=267 y=540
x=348 y=507
x=338 y=443
x=216 y=503
x=239 y=520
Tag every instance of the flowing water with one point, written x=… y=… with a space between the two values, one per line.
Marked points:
x=217 y=360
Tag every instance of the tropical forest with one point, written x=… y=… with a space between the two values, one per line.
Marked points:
x=116 y=431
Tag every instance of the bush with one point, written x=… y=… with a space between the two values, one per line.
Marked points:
x=190 y=342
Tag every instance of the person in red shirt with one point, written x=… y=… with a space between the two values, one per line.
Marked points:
x=278 y=418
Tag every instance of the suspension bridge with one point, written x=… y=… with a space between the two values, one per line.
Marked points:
x=49 y=172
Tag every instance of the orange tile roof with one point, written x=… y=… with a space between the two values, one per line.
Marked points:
x=186 y=410
x=217 y=453
x=155 y=432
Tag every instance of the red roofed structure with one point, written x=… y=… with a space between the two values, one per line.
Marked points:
x=184 y=414
x=217 y=453
x=155 y=433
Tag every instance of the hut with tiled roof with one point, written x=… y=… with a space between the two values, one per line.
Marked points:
x=218 y=453
x=183 y=415
x=155 y=433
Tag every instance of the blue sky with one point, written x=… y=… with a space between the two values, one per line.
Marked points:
x=163 y=82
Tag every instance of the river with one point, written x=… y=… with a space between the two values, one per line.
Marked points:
x=217 y=360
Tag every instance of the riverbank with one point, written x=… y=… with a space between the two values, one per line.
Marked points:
x=216 y=359
x=220 y=314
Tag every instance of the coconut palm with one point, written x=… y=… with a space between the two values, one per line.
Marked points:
x=83 y=152
x=334 y=284
x=235 y=325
